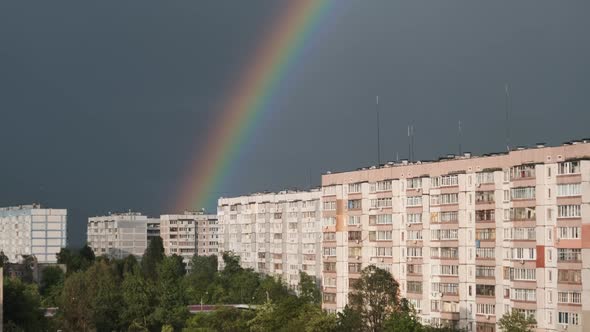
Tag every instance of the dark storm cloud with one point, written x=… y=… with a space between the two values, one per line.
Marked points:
x=103 y=104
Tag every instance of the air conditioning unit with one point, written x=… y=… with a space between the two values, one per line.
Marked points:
x=358 y=257
x=478 y=185
x=487 y=316
x=522 y=261
x=357 y=241
x=382 y=260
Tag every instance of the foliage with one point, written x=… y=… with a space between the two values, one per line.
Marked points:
x=75 y=261
x=153 y=256
x=375 y=295
x=22 y=306
x=52 y=282
x=516 y=322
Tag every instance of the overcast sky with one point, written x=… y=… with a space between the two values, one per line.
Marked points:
x=103 y=104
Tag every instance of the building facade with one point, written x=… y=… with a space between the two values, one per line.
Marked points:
x=274 y=233
x=118 y=235
x=32 y=230
x=468 y=238
x=189 y=234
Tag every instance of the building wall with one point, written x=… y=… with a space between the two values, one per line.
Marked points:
x=118 y=235
x=275 y=233
x=189 y=234
x=468 y=238
x=32 y=230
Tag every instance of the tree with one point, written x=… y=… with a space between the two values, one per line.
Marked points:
x=349 y=321
x=153 y=256
x=3 y=259
x=308 y=289
x=171 y=309
x=76 y=303
x=375 y=295
x=517 y=322
x=52 y=282
x=107 y=303
x=138 y=301
x=403 y=319
x=22 y=306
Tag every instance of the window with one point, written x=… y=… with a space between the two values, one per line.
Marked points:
x=520 y=233
x=380 y=219
x=485 y=272
x=569 y=276
x=329 y=298
x=569 y=297
x=484 y=196
x=568 y=211
x=444 y=199
x=354 y=235
x=569 y=255
x=414 y=268
x=485 y=253
x=444 y=234
x=330 y=236
x=526 y=312
x=414 y=183
x=414 y=200
x=330 y=205
x=354 y=187
x=485 y=309
x=354 y=204
x=414 y=251
x=570 y=167
x=383 y=235
x=329 y=251
x=449 y=216
x=329 y=221
x=522 y=193
x=445 y=288
x=526 y=213
x=330 y=281
x=354 y=267
x=414 y=218
x=383 y=252
x=444 y=181
x=444 y=252
x=381 y=202
x=445 y=270
x=568 y=189
x=414 y=287
x=522 y=294
x=522 y=253
x=569 y=233
x=354 y=252
x=485 y=177
x=522 y=172
x=485 y=290
x=384 y=185
x=354 y=220
x=414 y=235
x=568 y=318
x=485 y=234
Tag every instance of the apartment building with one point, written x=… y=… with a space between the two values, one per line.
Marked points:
x=274 y=233
x=189 y=234
x=118 y=235
x=153 y=229
x=32 y=230
x=468 y=238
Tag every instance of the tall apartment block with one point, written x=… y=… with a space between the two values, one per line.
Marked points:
x=189 y=234
x=468 y=238
x=118 y=235
x=274 y=233
x=32 y=230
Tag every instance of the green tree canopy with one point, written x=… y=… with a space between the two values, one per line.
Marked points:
x=22 y=306
x=375 y=295
x=516 y=322
x=153 y=256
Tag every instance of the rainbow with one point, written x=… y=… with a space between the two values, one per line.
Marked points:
x=250 y=99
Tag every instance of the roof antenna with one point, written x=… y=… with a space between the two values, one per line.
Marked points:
x=508 y=107
x=378 y=133
x=460 y=138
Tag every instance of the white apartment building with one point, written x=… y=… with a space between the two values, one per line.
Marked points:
x=468 y=238
x=188 y=234
x=32 y=230
x=274 y=233
x=118 y=235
